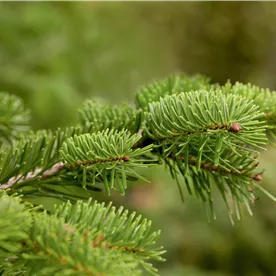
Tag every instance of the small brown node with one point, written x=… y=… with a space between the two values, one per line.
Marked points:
x=258 y=177
x=235 y=127
x=126 y=158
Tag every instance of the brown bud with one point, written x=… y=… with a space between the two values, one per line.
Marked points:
x=126 y=158
x=235 y=127
x=258 y=177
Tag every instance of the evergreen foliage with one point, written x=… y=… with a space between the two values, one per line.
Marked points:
x=80 y=239
x=103 y=115
x=106 y=156
x=264 y=98
x=14 y=118
x=174 y=84
x=210 y=135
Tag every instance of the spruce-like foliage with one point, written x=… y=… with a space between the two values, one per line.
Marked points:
x=209 y=137
x=14 y=118
x=80 y=239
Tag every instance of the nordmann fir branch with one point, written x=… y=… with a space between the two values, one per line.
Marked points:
x=109 y=155
x=202 y=111
x=210 y=136
x=237 y=185
x=205 y=165
x=174 y=84
x=79 y=239
x=206 y=141
x=218 y=120
x=14 y=118
x=111 y=159
x=101 y=116
x=264 y=98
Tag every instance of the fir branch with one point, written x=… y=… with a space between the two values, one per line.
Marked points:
x=117 y=230
x=174 y=84
x=193 y=131
x=76 y=239
x=210 y=135
x=202 y=111
x=245 y=168
x=238 y=184
x=32 y=166
x=264 y=98
x=205 y=121
x=33 y=154
x=14 y=118
x=101 y=116
x=108 y=155
x=37 y=163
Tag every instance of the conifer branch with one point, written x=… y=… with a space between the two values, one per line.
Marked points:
x=108 y=155
x=173 y=85
x=205 y=121
x=264 y=98
x=210 y=135
x=80 y=239
x=14 y=118
x=101 y=116
x=32 y=156
x=84 y=159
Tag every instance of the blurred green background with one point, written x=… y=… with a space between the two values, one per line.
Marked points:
x=56 y=54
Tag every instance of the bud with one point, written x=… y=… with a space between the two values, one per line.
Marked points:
x=126 y=158
x=235 y=127
x=258 y=177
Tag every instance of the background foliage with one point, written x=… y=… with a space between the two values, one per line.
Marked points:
x=55 y=55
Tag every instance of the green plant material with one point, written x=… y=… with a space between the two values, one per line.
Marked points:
x=106 y=155
x=237 y=180
x=80 y=239
x=264 y=98
x=174 y=84
x=36 y=150
x=202 y=135
x=116 y=229
x=36 y=166
x=203 y=120
x=104 y=116
x=14 y=118
x=211 y=139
